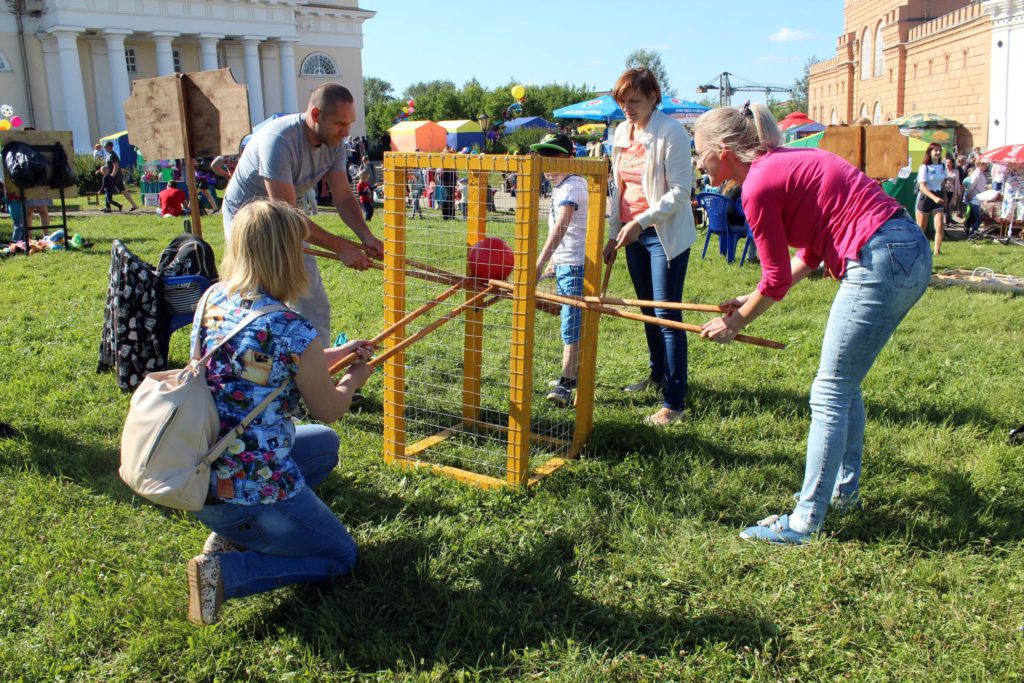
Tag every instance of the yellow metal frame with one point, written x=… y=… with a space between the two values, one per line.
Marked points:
x=528 y=170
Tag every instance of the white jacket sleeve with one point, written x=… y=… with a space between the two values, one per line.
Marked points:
x=678 y=176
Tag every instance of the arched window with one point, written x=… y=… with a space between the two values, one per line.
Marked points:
x=863 y=110
x=319 y=64
x=5 y=64
x=876 y=118
x=879 y=51
x=833 y=118
x=865 y=56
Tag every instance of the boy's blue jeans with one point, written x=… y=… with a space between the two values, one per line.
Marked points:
x=656 y=278
x=298 y=540
x=891 y=273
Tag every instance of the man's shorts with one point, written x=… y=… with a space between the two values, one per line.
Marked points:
x=570 y=283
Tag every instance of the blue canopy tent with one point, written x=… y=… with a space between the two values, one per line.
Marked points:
x=528 y=122
x=802 y=131
x=125 y=152
x=685 y=111
x=603 y=108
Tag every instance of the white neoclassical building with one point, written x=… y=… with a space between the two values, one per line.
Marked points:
x=69 y=64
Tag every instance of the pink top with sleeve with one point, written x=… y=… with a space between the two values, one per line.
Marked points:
x=815 y=201
x=631 y=168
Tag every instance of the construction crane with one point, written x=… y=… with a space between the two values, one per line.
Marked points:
x=725 y=87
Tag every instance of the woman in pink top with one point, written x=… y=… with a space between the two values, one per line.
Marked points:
x=652 y=220
x=833 y=214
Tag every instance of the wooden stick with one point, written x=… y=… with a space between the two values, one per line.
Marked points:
x=353 y=357
x=607 y=278
x=433 y=274
x=670 y=305
x=451 y=315
x=608 y=310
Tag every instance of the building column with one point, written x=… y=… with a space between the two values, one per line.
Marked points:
x=101 y=84
x=286 y=58
x=73 y=94
x=120 y=88
x=54 y=90
x=253 y=79
x=271 y=86
x=164 y=52
x=208 y=50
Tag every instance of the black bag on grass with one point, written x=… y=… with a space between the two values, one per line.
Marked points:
x=188 y=255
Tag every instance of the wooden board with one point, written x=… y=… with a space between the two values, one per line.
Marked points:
x=846 y=142
x=988 y=282
x=39 y=137
x=155 y=125
x=885 y=151
x=218 y=111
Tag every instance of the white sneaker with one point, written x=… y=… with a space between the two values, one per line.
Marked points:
x=218 y=544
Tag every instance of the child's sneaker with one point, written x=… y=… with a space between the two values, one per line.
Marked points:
x=205 y=589
x=775 y=529
x=560 y=395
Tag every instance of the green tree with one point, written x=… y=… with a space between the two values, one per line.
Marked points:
x=801 y=86
x=651 y=59
x=378 y=95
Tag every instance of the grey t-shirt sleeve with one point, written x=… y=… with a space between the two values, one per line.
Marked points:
x=276 y=159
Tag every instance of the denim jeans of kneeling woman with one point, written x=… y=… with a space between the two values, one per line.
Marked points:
x=878 y=289
x=298 y=540
x=657 y=278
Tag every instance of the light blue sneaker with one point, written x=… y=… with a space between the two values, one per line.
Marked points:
x=775 y=529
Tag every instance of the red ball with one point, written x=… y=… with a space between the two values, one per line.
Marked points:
x=491 y=259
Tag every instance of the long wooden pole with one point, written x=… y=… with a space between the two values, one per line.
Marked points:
x=451 y=315
x=608 y=310
x=352 y=357
x=669 y=305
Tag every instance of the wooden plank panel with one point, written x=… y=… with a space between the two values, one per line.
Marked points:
x=218 y=112
x=885 y=151
x=846 y=142
x=39 y=137
x=153 y=113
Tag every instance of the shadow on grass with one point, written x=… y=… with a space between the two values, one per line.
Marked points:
x=396 y=613
x=949 y=515
x=720 y=403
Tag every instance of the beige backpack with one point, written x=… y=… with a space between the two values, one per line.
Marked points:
x=165 y=446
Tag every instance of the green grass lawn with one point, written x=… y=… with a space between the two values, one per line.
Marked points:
x=624 y=566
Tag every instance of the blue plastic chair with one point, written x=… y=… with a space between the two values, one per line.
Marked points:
x=716 y=208
x=180 y=296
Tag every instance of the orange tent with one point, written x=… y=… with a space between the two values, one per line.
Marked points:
x=425 y=136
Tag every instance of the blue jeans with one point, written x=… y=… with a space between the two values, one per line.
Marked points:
x=891 y=273
x=656 y=278
x=298 y=540
x=570 y=283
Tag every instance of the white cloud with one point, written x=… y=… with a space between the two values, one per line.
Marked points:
x=662 y=47
x=594 y=62
x=775 y=59
x=789 y=35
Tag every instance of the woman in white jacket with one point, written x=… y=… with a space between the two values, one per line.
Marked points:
x=652 y=220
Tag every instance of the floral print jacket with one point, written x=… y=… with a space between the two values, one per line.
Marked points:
x=257 y=467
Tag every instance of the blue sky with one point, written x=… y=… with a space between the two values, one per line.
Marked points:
x=763 y=41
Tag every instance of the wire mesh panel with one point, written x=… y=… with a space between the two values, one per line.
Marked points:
x=470 y=396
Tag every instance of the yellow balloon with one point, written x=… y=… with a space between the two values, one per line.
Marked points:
x=5 y=124
x=518 y=91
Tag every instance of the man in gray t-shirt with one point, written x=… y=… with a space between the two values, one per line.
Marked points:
x=286 y=158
